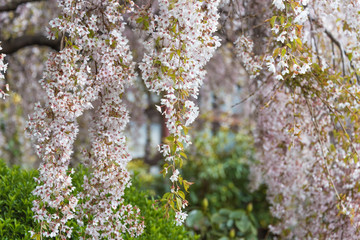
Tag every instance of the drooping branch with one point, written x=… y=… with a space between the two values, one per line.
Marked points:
x=14 y=44
x=338 y=44
x=13 y=4
x=183 y=38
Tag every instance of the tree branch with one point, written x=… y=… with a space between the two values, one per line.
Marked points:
x=13 y=4
x=343 y=52
x=14 y=44
x=338 y=44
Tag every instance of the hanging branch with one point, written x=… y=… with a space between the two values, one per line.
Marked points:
x=15 y=44
x=13 y=4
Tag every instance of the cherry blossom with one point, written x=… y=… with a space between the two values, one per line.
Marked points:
x=302 y=59
x=307 y=130
x=94 y=63
x=182 y=35
x=3 y=67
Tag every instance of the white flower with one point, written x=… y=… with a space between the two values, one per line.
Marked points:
x=158 y=108
x=302 y=17
x=279 y=77
x=304 y=2
x=270 y=64
x=305 y=68
x=279 y=4
x=292 y=35
x=165 y=149
x=285 y=71
x=282 y=64
x=180 y=218
x=276 y=28
x=281 y=38
x=175 y=176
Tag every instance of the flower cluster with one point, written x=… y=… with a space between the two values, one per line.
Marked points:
x=287 y=30
x=182 y=35
x=3 y=67
x=53 y=129
x=244 y=48
x=95 y=62
x=303 y=178
x=308 y=130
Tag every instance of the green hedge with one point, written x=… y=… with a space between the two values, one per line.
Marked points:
x=16 y=199
x=16 y=202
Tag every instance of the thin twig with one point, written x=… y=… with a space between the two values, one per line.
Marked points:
x=315 y=123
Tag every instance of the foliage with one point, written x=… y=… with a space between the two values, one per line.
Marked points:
x=221 y=198
x=16 y=202
x=157 y=226
x=16 y=217
x=222 y=204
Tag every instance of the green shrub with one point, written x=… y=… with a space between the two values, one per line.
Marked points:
x=223 y=206
x=16 y=199
x=157 y=226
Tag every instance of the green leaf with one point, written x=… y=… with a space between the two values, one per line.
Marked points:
x=238 y=214
x=166 y=196
x=225 y=211
x=229 y=223
x=276 y=52
x=181 y=194
x=139 y=20
x=272 y=21
x=218 y=218
x=179 y=161
x=178 y=203
x=170 y=138
x=194 y=218
x=282 y=20
x=186 y=185
x=173 y=28
x=183 y=155
x=243 y=225
x=146 y=24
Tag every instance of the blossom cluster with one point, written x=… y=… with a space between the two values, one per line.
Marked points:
x=94 y=63
x=53 y=129
x=244 y=48
x=180 y=45
x=287 y=30
x=3 y=67
x=308 y=130
x=303 y=178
